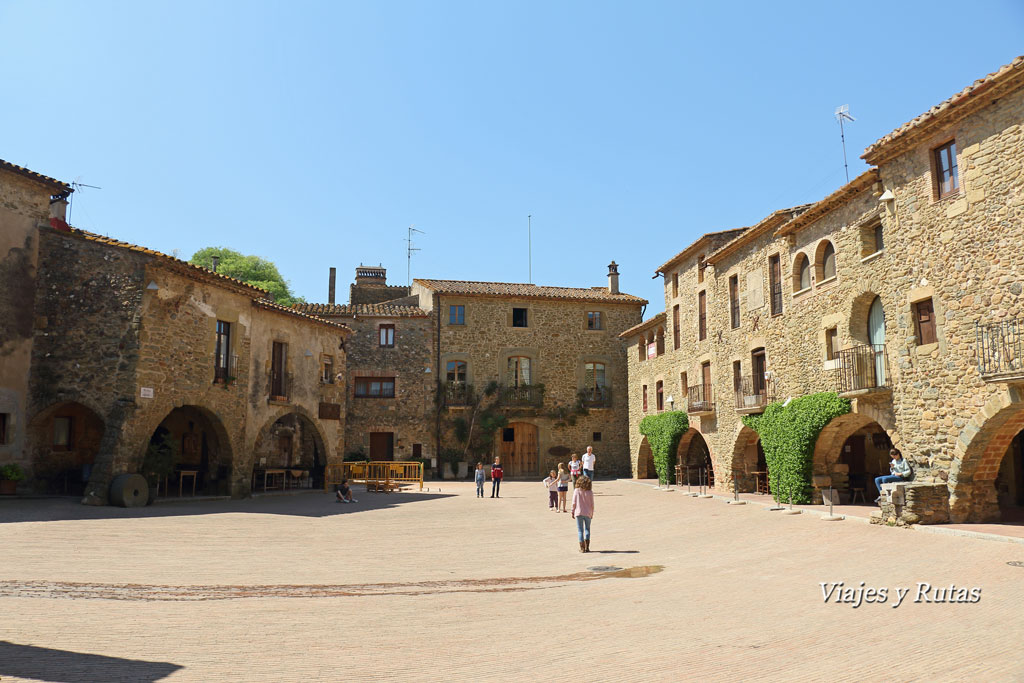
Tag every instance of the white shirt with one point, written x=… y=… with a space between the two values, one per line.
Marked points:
x=588 y=461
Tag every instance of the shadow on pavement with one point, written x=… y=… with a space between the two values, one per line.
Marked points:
x=616 y=552
x=316 y=504
x=63 y=666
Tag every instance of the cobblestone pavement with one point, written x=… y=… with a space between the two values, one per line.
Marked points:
x=445 y=586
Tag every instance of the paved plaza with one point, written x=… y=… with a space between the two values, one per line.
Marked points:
x=441 y=585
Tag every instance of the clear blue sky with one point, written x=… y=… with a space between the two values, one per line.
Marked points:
x=314 y=133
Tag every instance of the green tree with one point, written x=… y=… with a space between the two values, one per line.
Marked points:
x=250 y=269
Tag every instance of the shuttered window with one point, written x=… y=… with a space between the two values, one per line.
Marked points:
x=924 y=319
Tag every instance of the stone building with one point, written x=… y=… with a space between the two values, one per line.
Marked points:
x=555 y=357
x=901 y=291
x=134 y=348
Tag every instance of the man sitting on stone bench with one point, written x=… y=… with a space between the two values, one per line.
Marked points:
x=899 y=470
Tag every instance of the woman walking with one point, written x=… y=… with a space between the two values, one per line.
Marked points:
x=583 y=511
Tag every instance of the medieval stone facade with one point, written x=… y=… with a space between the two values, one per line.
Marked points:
x=902 y=291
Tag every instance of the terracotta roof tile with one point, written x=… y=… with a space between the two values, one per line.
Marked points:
x=528 y=291
x=270 y=305
x=815 y=211
x=769 y=222
x=60 y=187
x=645 y=325
x=367 y=310
x=697 y=243
x=994 y=84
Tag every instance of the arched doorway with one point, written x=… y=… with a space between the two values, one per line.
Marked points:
x=983 y=473
x=65 y=439
x=749 y=467
x=645 y=462
x=695 y=457
x=518 y=448
x=1010 y=482
x=853 y=449
x=293 y=447
x=876 y=337
x=200 y=452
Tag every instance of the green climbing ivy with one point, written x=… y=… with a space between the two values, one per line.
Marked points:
x=663 y=431
x=788 y=434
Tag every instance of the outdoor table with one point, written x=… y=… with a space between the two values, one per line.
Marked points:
x=181 y=480
x=761 y=479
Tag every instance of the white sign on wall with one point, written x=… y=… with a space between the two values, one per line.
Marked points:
x=146 y=392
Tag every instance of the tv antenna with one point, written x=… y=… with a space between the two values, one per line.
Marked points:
x=529 y=247
x=843 y=112
x=409 y=250
x=76 y=186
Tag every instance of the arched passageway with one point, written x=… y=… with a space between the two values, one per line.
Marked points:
x=749 y=468
x=695 y=457
x=191 y=448
x=1010 y=482
x=645 y=462
x=292 y=448
x=65 y=439
x=985 y=480
x=852 y=450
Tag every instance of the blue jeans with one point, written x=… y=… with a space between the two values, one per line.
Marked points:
x=480 y=489
x=886 y=479
x=581 y=524
x=495 y=488
x=589 y=474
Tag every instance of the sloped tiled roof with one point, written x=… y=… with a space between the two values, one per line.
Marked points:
x=769 y=222
x=695 y=245
x=56 y=185
x=815 y=211
x=366 y=310
x=270 y=305
x=527 y=291
x=983 y=91
x=645 y=325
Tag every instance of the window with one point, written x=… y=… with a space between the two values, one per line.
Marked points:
x=222 y=352
x=593 y=320
x=457 y=315
x=683 y=387
x=831 y=343
x=375 y=387
x=737 y=375
x=675 y=327
x=734 y=301
x=596 y=436
x=801 y=273
x=62 y=433
x=659 y=392
x=758 y=365
x=594 y=381
x=519 y=317
x=828 y=262
x=278 y=363
x=387 y=335
x=702 y=316
x=775 y=283
x=456 y=371
x=645 y=398
x=508 y=434
x=879 y=240
x=871 y=241
x=946 y=179
x=518 y=371
x=327 y=369
x=700 y=268
x=642 y=347
x=659 y=340
x=924 y=322
x=4 y=419
x=675 y=284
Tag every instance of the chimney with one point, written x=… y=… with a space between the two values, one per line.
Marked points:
x=59 y=208
x=330 y=285
x=613 y=278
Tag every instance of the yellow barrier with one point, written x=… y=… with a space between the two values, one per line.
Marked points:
x=377 y=476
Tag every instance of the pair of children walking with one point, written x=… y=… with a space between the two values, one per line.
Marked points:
x=558 y=487
x=582 y=500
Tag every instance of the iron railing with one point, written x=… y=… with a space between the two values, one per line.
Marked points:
x=458 y=394
x=1000 y=349
x=754 y=392
x=862 y=367
x=700 y=398
x=596 y=397
x=522 y=395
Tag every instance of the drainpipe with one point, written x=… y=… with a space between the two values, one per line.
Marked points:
x=437 y=381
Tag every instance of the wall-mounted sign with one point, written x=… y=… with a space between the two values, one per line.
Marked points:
x=652 y=350
x=146 y=392
x=330 y=411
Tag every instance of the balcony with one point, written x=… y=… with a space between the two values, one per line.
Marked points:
x=753 y=394
x=862 y=369
x=700 y=399
x=458 y=394
x=523 y=395
x=596 y=397
x=999 y=349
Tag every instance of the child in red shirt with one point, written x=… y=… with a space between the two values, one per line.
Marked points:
x=496 y=477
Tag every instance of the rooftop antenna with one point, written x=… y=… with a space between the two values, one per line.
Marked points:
x=76 y=185
x=843 y=112
x=529 y=247
x=409 y=250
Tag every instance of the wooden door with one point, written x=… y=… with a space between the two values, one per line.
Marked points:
x=757 y=367
x=284 y=449
x=519 y=456
x=382 y=446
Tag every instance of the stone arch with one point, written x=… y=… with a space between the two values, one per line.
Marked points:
x=801 y=265
x=829 y=447
x=977 y=456
x=308 y=446
x=202 y=443
x=821 y=252
x=694 y=452
x=857 y=320
x=645 y=461
x=745 y=459
x=67 y=466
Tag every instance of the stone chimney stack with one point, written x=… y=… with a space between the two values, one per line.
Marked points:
x=613 y=278
x=330 y=285
x=59 y=208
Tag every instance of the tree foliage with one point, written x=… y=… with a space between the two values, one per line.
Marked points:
x=788 y=434
x=663 y=431
x=249 y=269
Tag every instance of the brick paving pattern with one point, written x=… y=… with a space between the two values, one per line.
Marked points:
x=445 y=586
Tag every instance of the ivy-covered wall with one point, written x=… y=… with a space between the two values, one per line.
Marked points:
x=663 y=431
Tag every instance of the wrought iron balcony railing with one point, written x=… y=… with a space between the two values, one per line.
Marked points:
x=700 y=398
x=862 y=367
x=596 y=397
x=754 y=393
x=458 y=394
x=1000 y=348
x=522 y=395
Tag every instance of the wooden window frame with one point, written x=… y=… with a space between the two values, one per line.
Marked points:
x=801 y=265
x=831 y=342
x=593 y=367
x=222 y=352
x=675 y=284
x=700 y=268
x=643 y=349
x=948 y=147
x=5 y=421
x=926 y=330
x=737 y=375
x=326 y=369
x=362 y=387
x=684 y=390
x=702 y=315
x=823 y=275
x=594 y=320
x=448 y=369
x=675 y=327
x=386 y=335
x=775 y=285
x=659 y=395
x=525 y=316
x=510 y=374
x=734 y=301
x=279 y=371
x=645 y=398
x=456 y=314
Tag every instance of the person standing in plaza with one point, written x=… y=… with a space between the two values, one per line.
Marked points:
x=496 y=477
x=575 y=468
x=563 y=486
x=583 y=511
x=551 y=482
x=589 y=459
x=479 y=475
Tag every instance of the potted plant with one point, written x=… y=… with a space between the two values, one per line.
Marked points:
x=159 y=462
x=10 y=475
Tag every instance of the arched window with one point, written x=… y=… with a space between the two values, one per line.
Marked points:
x=518 y=371
x=826 y=261
x=660 y=340
x=801 y=273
